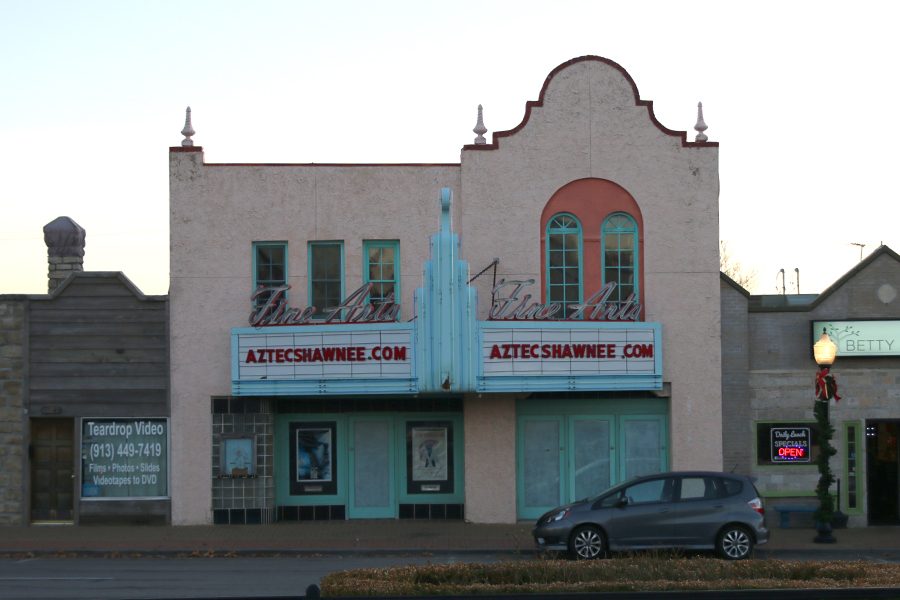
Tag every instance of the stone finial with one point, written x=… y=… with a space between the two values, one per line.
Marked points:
x=65 y=249
x=480 y=129
x=188 y=130
x=701 y=126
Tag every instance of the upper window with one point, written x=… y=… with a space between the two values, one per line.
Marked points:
x=619 y=243
x=269 y=268
x=564 y=249
x=381 y=269
x=326 y=276
x=592 y=235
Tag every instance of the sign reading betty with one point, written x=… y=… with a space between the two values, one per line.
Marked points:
x=598 y=307
x=861 y=338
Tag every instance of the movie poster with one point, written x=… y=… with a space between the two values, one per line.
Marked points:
x=429 y=457
x=313 y=461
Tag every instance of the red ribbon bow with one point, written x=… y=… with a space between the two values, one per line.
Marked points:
x=826 y=385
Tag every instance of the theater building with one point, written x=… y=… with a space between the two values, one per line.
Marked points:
x=483 y=340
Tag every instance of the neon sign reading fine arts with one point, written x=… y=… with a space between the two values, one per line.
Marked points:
x=596 y=308
x=513 y=306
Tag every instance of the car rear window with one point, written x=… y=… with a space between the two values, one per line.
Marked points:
x=732 y=487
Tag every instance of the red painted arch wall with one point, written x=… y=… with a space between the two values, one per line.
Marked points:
x=591 y=201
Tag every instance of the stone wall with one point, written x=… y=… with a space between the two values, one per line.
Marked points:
x=781 y=374
x=12 y=402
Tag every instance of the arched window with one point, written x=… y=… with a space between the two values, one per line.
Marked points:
x=564 y=253
x=607 y=228
x=619 y=234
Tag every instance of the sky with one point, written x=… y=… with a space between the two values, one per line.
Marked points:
x=800 y=95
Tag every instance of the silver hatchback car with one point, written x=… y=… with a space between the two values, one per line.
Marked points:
x=689 y=509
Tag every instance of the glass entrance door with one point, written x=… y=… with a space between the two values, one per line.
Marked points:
x=562 y=459
x=643 y=444
x=540 y=465
x=591 y=458
x=371 y=469
x=883 y=469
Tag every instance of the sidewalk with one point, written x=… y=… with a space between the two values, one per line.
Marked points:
x=355 y=536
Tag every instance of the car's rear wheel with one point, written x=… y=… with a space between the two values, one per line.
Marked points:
x=734 y=543
x=587 y=543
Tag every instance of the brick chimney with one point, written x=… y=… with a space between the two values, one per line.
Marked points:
x=65 y=249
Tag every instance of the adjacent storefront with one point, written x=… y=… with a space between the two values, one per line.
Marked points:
x=85 y=382
x=769 y=393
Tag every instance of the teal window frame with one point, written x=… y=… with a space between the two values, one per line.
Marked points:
x=380 y=281
x=564 y=224
x=854 y=451
x=612 y=233
x=259 y=263
x=329 y=278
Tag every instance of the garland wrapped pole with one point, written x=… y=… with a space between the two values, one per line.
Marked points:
x=826 y=388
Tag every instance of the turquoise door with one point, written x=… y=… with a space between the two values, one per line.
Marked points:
x=642 y=439
x=540 y=465
x=562 y=459
x=372 y=485
x=592 y=464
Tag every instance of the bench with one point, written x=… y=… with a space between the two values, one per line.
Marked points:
x=785 y=511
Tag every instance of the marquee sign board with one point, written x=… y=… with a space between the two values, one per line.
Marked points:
x=590 y=356
x=325 y=359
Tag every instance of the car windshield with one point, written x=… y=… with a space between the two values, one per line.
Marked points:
x=611 y=491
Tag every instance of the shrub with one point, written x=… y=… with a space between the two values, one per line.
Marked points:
x=629 y=573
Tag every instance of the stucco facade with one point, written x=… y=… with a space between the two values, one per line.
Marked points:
x=588 y=128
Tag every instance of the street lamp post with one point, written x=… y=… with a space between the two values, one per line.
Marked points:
x=826 y=388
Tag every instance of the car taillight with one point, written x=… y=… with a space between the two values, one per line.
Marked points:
x=757 y=505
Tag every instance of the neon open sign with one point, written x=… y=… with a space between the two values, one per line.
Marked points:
x=790 y=444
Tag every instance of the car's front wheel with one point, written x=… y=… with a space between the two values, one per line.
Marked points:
x=734 y=543
x=587 y=543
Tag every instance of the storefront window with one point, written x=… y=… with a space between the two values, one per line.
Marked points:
x=786 y=443
x=124 y=458
x=852 y=466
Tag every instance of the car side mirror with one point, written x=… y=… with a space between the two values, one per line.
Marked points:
x=622 y=502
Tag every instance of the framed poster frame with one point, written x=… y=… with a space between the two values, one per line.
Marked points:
x=429 y=457
x=313 y=458
x=238 y=455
